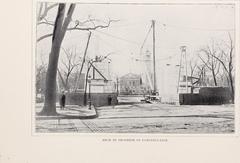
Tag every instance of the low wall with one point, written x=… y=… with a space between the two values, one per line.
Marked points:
x=98 y=99
x=207 y=96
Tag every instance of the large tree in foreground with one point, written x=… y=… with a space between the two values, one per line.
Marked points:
x=60 y=28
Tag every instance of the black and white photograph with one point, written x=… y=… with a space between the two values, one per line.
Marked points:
x=134 y=68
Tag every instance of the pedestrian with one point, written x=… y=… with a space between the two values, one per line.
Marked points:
x=62 y=100
x=109 y=99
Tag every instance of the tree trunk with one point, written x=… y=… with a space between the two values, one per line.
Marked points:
x=230 y=67
x=63 y=83
x=50 y=92
x=66 y=81
x=59 y=31
x=214 y=78
x=232 y=86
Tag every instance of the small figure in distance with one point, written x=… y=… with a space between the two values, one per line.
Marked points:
x=109 y=99
x=62 y=100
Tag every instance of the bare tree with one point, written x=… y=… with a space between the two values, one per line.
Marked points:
x=44 y=8
x=193 y=68
x=60 y=26
x=227 y=53
x=207 y=57
x=69 y=64
x=88 y=25
x=201 y=74
x=197 y=73
x=40 y=77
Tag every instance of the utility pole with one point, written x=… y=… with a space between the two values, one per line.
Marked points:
x=183 y=55
x=84 y=58
x=186 y=70
x=117 y=87
x=154 y=64
x=180 y=67
x=89 y=93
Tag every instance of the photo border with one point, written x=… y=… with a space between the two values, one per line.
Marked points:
x=141 y=135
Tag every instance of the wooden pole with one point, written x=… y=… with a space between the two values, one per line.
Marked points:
x=84 y=58
x=179 y=73
x=186 y=71
x=154 y=62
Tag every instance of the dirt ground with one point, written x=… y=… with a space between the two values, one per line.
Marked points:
x=149 y=118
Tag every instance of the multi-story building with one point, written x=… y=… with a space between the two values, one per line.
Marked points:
x=132 y=84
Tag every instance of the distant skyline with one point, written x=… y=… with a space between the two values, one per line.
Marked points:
x=176 y=25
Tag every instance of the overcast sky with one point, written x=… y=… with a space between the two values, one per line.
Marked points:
x=176 y=25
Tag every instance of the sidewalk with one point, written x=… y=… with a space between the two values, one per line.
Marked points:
x=157 y=110
x=70 y=112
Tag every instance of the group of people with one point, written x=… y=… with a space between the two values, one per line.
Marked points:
x=62 y=100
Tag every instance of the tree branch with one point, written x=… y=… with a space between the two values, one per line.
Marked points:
x=223 y=64
x=45 y=21
x=91 y=28
x=205 y=63
x=60 y=75
x=44 y=36
x=46 y=10
x=80 y=28
x=218 y=68
x=58 y=22
x=68 y=19
x=40 y=11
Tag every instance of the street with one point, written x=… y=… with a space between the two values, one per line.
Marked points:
x=149 y=118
